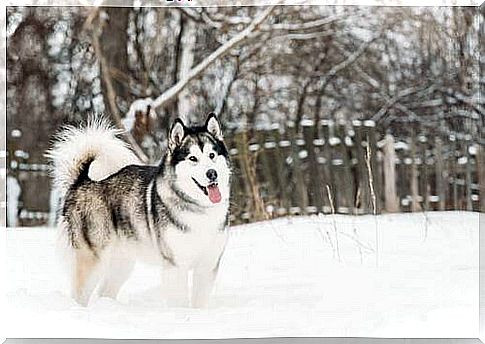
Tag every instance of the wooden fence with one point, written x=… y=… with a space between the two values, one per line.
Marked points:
x=322 y=167
x=285 y=171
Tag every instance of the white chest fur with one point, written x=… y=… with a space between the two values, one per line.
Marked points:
x=203 y=241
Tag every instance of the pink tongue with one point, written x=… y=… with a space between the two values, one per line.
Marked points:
x=214 y=193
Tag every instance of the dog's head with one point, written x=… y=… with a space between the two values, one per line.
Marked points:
x=199 y=161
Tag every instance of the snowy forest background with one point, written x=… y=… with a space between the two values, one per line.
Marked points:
x=326 y=109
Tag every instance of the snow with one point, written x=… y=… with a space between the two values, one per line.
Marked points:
x=277 y=278
x=401 y=145
x=139 y=105
x=333 y=141
x=16 y=133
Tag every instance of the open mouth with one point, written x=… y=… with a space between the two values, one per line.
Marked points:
x=203 y=188
x=211 y=191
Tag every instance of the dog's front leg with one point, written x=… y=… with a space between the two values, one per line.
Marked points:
x=175 y=287
x=203 y=283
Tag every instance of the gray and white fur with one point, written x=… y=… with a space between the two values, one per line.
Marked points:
x=114 y=210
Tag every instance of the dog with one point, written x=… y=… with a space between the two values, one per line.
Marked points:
x=114 y=210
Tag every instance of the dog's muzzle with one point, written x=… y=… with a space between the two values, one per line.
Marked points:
x=212 y=190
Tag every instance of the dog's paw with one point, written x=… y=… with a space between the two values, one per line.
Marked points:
x=200 y=303
x=177 y=302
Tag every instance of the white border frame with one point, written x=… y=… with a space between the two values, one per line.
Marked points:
x=207 y=3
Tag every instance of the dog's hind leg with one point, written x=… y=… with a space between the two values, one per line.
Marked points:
x=85 y=275
x=117 y=270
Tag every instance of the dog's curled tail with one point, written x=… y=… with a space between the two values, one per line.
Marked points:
x=93 y=150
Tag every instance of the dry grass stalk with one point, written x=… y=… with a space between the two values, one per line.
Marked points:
x=248 y=164
x=332 y=207
x=373 y=196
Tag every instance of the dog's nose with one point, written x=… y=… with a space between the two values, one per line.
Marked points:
x=212 y=175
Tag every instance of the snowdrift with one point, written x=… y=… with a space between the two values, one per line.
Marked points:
x=302 y=276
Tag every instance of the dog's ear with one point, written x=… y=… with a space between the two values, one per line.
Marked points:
x=213 y=126
x=177 y=133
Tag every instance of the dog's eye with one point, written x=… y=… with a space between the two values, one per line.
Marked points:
x=193 y=158
x=212 y=155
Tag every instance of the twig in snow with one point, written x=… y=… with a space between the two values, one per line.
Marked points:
x=357 y=203
x=330 y=198
x=319 y=230
x=360 y=244
x=426 y=224
x=278 y=233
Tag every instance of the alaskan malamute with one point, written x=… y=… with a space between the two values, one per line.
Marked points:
x=113 y=209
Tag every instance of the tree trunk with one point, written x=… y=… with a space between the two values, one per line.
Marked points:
x=186 y=60
x=113 y=40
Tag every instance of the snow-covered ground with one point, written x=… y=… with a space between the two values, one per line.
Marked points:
x=277 y=278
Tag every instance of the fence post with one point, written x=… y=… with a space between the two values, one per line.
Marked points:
x=454 y=169
x=423 y=171
x=468 y=174
x=390 y=194
x=440 y=174
x=281 y=171
x=481 y=175
x=300 y=193
x=401 y=173
x=315 y=193
x=268 y=176
x=346 y=199
x=327 y=155
x=415 y=206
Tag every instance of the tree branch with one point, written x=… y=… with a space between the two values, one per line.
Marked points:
x=461 y=98
x=350 y=59
x=390 y=102
x=218 y=21
x=218 y=53
x=402 y=94
x=227 y=90
x=305 y=25
x=305 y=36
x=195 y=17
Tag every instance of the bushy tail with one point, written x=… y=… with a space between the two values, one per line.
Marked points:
x=94 y=149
